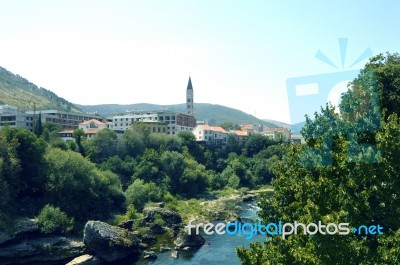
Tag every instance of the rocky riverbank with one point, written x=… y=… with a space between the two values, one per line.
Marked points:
x=160 y=230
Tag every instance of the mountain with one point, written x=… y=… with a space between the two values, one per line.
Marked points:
x=17 y=91
x=213 y=114
x=278 y=124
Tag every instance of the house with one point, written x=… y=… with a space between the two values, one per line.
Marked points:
x=90 y=127
x=210 y=135
x=240 y=137
x=277 y=134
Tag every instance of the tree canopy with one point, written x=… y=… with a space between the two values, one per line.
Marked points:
x=347 y=172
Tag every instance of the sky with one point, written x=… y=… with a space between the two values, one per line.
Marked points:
x=239 y=54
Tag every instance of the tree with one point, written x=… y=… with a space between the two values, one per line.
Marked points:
x=256 y=143
x=102 y=146
x=76 y=186
x=50 y=130
x=9 y=177
x=79 y=135
x=229 y=125
x=30 y=150
x=132 y=143
x=39 y=126
x=136 y=194
x=333 y=178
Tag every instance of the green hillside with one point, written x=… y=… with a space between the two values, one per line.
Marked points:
x=17 y=91
x=213 y=114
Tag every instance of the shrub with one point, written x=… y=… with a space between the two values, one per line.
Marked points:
x=131 y=213
x=53 y=220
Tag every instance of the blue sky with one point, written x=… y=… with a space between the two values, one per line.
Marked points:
x=238 y=53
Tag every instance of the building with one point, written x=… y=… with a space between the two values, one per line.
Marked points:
x=153 y=126
x=240 y=137
x=297 y=139
x=174 y=122
x=67 y=120
x=12 y=117
x=210 y=135
x=90 y=127
x=277 y=134
x=251 y=128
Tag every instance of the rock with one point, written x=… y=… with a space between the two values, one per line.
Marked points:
x=164 y=249
x=149 y=255
x=249 y=197
x=148 y=239
x=157 y=229
x=168 y=216
x=175 y=254
x=233 y=218
x=126 y=224
x=185 y=240
x=22 y=228
x=45 y=250
x=110 y=243
x=159 y=204
x=85 y=260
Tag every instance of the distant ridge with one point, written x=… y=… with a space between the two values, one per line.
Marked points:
x=278 y=124
x=211 y=113
x=17 y=91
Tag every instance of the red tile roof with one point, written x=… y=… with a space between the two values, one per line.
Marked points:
x=66 y=131
x=212 y=128
x=93 y=121
x=240 y=133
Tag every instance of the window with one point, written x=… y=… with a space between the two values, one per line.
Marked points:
x=154 y=129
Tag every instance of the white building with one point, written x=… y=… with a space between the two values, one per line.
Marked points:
x=211 y=135
x=90 y=127
x=175 y=122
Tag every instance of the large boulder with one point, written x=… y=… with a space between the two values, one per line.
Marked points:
x=111 y=243
x=185 y=240
x=45 y=250
x=169 y=217
x=22 y=228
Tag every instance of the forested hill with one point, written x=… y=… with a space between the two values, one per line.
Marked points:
x=17 y=91
x=213 y=114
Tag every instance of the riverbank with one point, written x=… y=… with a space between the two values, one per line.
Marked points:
x=158 y=231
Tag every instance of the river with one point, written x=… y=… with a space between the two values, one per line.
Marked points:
x=218 y=249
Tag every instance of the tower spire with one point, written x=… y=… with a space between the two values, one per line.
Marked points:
x=189 y=97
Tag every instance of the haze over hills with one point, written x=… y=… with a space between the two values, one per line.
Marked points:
x=17 y=91
x=211 y=113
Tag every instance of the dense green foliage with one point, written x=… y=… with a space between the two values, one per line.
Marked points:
x=53 y=221
x=339 y=176
x=109 y=174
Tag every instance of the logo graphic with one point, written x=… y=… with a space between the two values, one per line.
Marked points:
x=282 y=229
x=307 y=94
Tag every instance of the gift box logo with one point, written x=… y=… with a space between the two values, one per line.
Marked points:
x=307 y=94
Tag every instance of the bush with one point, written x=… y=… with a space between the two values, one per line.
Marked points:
x=53 y=220
x=131 y=213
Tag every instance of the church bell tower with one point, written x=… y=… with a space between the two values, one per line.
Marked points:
x=189 y=98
